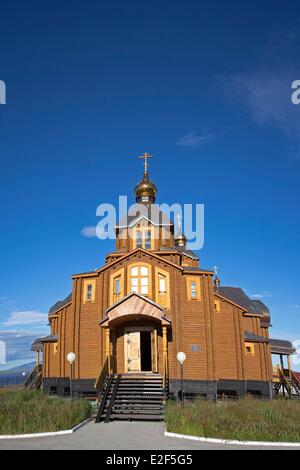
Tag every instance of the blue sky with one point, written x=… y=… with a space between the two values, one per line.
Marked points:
x=204 y=86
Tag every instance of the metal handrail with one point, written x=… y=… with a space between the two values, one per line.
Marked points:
x=112 y=399
x=104 y=398
x=104 y=373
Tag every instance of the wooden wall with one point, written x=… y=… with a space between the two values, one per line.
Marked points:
x=213 y=341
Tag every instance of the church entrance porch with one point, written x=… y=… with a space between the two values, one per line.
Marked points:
x=140 y=349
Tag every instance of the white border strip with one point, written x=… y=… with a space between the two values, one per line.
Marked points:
x=231 y=442
x=46 y=434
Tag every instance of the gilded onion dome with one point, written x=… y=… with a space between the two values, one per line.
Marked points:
x=145 y=190
x=180 y=240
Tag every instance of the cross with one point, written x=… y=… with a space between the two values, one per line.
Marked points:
x=145 y=157
x=179 y=219
x=216 y=269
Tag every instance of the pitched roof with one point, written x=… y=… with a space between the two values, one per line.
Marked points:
x=150 y=212
x=181 y=250
x=253 y=338
x=280 y=346
x=238 y=296
x=128 y=255
x=37 y=345
x=60 y=304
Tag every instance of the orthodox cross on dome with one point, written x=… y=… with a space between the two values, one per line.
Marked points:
x=179 y=222
x=216 y=270
x=146 y=157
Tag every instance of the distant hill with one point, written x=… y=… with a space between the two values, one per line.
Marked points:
x=19 y=369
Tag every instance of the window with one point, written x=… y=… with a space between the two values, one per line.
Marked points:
x=140 y=280
x=162 y=284
x=193 y=288
x=116 y=289
x=162 y=290
x=139 y=239
x=89 y=291
x=148 y=242
x=143 y=238
x=217 y=306
x=249 y=349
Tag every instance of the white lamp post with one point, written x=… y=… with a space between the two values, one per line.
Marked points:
x=181 y=357
x=71 y=359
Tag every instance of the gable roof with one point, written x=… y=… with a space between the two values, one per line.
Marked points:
x=149 y=212
x=128 y=255
x=134 y=305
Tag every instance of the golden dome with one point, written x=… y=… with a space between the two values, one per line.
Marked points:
x=145 y=190
x=180 y=240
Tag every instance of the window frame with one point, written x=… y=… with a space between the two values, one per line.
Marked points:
x=87 y=283
x=158 y=297
x=113 y=277
x=189 y=281
x=139 y=265
x=252 y=349
x=144 y=239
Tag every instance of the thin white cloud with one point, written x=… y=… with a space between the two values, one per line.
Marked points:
x=27 y=317
x=263 y=295
x=265 y=93
x=196 y=139
x=89 y=232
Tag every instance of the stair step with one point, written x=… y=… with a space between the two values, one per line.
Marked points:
x=137 y=401
x=137 y=417
x=133 y=397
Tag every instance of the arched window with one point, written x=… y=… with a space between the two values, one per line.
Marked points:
x=139 y=280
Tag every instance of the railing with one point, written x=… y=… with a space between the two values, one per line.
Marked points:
x=295 y=378
x=104 y=373
x=104 y=398
x=165 y=377
x=284 y=381
x=112 y=398
x=31 y=377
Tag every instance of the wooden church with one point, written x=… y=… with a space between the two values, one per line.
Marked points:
x=127 y=321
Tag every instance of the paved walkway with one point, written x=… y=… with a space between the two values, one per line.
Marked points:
x=116 y=436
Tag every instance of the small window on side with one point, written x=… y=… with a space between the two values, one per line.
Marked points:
x=193 y=287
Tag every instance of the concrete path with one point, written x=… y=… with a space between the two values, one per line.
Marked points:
x=116 y=436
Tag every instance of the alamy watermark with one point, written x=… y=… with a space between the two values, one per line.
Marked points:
x=296 y=357
x=296 y=94
x=188 y=221
x=2 y=353
x=2 y=92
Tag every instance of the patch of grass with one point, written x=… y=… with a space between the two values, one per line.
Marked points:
x=248 y=419
x=29 y=411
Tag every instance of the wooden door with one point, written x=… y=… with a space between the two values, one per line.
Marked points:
x=154 y=350
x=133 y=348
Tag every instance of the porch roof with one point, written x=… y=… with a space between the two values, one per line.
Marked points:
x=134 y=306
x=279 y=346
